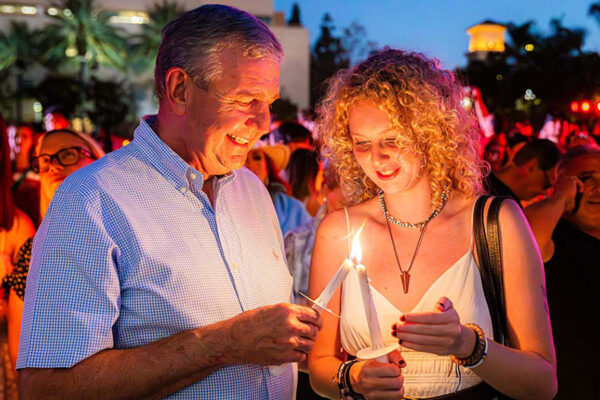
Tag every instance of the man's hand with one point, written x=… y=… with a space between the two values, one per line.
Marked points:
x=274 y=335
x=566 y=189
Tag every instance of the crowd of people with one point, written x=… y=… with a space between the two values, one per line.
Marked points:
x=166 y=268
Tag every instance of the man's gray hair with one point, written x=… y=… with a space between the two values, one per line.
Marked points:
x=193 y=41
x=575 y=152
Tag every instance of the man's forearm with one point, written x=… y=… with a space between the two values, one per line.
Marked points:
x=151 y=371
x=543 y=217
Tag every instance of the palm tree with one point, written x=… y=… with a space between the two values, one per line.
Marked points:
x=18 y=52
x=84 y=35
x=594 y=11
x=144 y=46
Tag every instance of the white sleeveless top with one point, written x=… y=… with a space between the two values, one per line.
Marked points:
x=425 y=374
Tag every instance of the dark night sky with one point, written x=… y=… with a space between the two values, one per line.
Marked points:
x=437 y=27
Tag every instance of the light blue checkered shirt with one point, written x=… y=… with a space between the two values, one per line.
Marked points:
x=131 y=251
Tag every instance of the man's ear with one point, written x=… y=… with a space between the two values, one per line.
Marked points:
x=176 y=83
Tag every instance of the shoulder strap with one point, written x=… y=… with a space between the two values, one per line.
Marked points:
x=490 y=263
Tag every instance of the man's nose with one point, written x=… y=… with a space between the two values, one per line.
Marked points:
x=261 y=118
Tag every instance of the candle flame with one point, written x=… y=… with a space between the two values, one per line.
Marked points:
x=356 y=252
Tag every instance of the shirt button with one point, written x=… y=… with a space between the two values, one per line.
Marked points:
x=193 y=175
x=183 y=190
x=235 y=266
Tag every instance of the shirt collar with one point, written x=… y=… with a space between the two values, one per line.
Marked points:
x=165 y=160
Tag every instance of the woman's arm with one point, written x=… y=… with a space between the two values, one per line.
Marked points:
x=23 y=230
x=14 y=316
x=378 y=380
x=527 y=371
x=325 y=356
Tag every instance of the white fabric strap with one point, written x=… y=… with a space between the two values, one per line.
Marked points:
x=348 y=231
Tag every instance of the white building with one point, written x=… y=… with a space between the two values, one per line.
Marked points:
x=295 y=73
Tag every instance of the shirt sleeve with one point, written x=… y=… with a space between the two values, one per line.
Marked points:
x=73 y=293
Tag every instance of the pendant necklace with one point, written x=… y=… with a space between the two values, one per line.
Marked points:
x=405 y=274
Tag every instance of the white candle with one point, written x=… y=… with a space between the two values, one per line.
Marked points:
x=372 y=320
x=333 y=284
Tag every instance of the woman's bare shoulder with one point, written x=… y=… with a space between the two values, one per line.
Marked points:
x=334 y=224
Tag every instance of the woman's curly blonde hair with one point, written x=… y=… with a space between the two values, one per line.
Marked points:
x=423 y=102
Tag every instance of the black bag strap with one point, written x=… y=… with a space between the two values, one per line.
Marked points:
x=490 y=263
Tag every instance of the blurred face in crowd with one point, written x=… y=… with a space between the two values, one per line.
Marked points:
x=61 y=154
x=536 y=181
x=225 y=121
x=257 y=163
x=55 y=120
x=391 y=168
x=587 y=169
x=23 y=139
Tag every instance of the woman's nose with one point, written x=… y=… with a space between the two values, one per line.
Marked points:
x=380 y=153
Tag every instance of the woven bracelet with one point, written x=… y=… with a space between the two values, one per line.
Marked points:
x=479 y=352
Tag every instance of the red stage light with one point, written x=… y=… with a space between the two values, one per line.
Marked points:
x=585 y=106
x=598 y=106
x=574 y=106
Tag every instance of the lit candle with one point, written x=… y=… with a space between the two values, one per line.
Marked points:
x=338 y=278
x=372 y=320
x=323 y=300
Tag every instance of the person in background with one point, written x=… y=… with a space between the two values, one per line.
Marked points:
x=495 y=152
x=295 y=136
x=15 y=229
x=407 y=156
x=54 y=119
x=529 y=175
x=305 y=172
x=26 y=186
x=59 y=153
x=177 y=284
x=566 y=226
x=266 y=162
x=299 y=243
x=22 y=137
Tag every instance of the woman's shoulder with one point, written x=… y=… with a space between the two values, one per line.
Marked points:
x=22 y=225
x=336 y=223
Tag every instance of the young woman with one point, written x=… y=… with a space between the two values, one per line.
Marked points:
x=406 y=155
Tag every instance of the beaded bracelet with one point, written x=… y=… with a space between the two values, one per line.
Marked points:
x=343 y=382
x=479 y=352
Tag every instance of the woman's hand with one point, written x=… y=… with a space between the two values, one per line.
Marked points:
x=376 y=380
x=438 y=332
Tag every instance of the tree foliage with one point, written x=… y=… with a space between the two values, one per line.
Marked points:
x=144 y=46
x=553 y=66
x=331 y=53
x=19 y=50
x=83 y=36
x=295 y=17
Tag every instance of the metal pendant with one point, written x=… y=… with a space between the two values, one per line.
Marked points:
x=405 y=276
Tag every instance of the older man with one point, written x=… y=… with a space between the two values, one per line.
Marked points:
x=160 y=270
x=566 y=226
